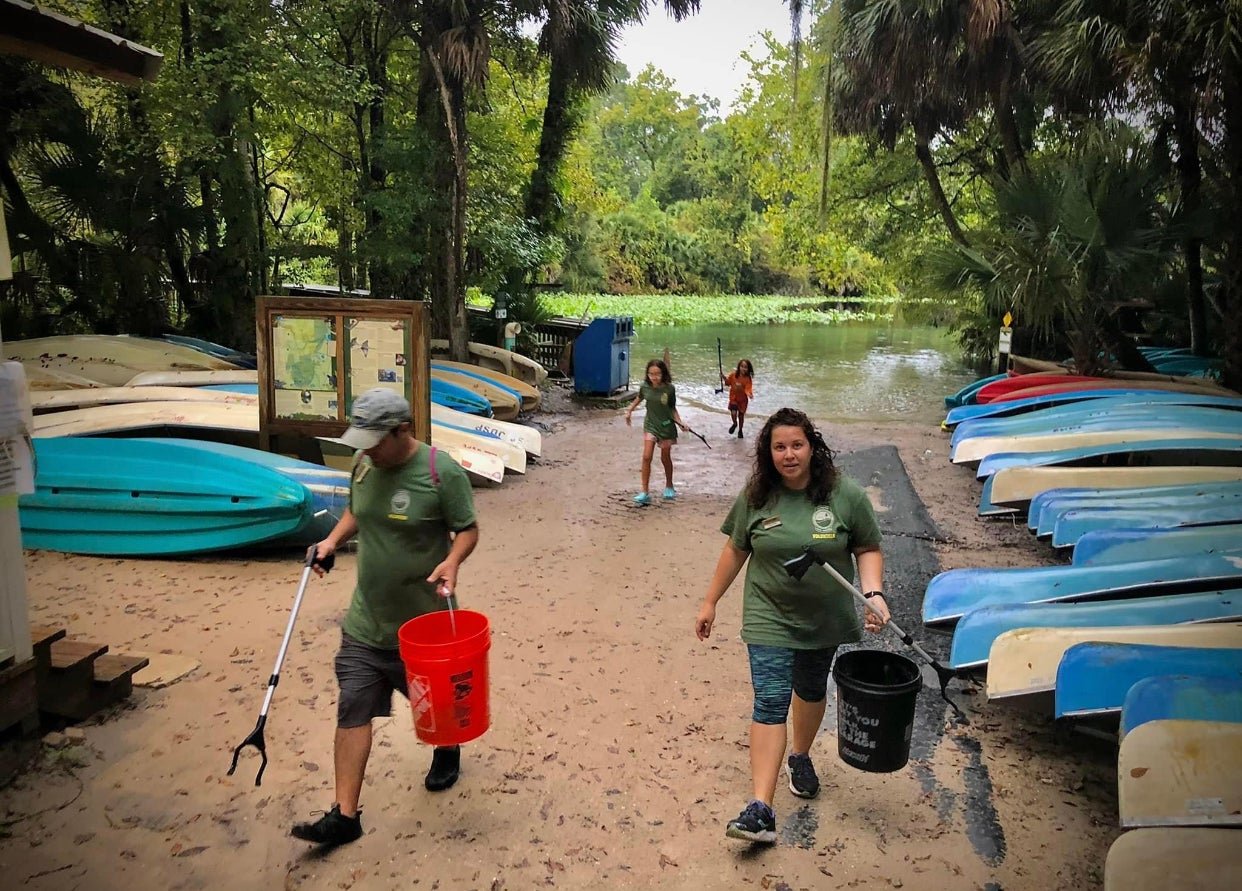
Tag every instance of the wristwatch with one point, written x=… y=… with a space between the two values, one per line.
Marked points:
x=874 y=594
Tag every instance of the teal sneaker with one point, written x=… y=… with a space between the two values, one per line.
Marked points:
x=670 y=493
x=642 y=498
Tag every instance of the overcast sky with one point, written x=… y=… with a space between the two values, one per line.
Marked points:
x=703 y=52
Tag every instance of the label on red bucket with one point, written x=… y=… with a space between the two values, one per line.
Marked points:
x=420 y=701
x=462 y=688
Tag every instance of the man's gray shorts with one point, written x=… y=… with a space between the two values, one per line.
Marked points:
x=366 y=676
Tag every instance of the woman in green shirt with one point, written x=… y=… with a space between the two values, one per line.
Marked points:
x=660 y=426
x=795 y=499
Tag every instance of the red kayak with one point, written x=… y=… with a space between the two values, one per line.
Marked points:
x=1108 y=383
x=1015 y=383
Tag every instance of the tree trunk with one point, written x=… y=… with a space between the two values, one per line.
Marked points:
x=447 y=226
x=1189 y=173
x=1231 y=285
x=922 y=150
x=560 y=122
x=375 y=55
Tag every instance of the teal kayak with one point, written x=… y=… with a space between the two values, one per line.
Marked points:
x=137 y=498
x=328 y=487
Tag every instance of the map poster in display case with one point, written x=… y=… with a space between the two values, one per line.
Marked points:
x=316 y=355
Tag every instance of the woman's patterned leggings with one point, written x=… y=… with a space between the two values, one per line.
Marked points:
x=777 y=673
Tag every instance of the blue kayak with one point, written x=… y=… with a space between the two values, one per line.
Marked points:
x=1190 y=451
x=1077 y=523
x=1039 y=404
x=215 y=350
x=1094 y=678
x=1048 y=506
x=248 y=389
x=966 y=395
x=1180 y=697
x=953 y=593
x=978 y=628
x=138 y=498
x=1097 y=416
x=454 y=396
x=1126 y=545
x=452 y=369
x=442 y=393
x=328 y=487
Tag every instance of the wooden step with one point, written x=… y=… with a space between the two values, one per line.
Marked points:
x=112 y=667
x=70 y=653
x=41 y=639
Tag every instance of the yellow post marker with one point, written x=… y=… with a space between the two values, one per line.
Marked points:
x=1002 y=349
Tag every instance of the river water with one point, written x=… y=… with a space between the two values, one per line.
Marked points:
x=842 y=373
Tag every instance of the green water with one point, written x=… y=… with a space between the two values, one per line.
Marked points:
x=840 y=372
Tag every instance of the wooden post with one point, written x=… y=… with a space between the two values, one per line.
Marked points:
x=14 y=613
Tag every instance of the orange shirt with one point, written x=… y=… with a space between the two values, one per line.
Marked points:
x=739 y=387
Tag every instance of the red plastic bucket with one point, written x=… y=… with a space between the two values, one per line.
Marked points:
x=447 y=675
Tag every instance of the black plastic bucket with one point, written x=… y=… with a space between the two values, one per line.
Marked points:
x=876 y=692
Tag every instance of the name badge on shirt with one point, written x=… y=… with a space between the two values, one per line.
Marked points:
x=771 y=523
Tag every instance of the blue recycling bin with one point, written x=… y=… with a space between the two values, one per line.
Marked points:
x=602 y=356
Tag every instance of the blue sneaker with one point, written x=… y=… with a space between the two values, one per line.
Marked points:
x=757 y=823
x=670 y=493
x=642 y=498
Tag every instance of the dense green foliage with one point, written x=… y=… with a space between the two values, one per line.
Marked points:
x=1063 y=161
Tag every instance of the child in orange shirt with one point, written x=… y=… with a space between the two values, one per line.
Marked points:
x=740 y=393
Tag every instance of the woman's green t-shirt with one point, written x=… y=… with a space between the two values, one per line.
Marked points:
x=817 y=611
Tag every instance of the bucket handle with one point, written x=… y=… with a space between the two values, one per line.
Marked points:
x=450 y=599
x=797 y=567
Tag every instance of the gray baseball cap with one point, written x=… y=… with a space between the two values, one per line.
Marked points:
x=373 y=415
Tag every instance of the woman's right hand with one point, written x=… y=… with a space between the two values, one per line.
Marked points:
x=707 y=618
x=323 y=551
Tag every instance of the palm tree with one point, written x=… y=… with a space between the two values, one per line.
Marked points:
x=578 y=38
x=1073 y=240
x=1103 y=55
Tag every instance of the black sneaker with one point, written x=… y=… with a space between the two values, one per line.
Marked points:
x=332 y=829
x=802 y=779
x=445 y=769
x=732 y=427
x=739 y=434
x=756 y=822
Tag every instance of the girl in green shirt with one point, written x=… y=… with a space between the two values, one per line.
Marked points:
x=660 y=426
x=795 y=499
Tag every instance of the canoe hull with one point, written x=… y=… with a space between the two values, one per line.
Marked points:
x=128 y=497
x=979 y=628
x=1180 y=773
x=1028 y=660
x=1093 y=678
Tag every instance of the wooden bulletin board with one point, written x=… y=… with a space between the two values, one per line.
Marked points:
x=316 y=355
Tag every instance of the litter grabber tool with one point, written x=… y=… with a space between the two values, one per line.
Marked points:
x=256 y=736
x=797 y=567
x=720 y=365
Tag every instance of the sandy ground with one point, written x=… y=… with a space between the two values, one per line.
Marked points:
x=618 y=746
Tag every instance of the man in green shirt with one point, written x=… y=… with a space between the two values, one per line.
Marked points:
x=413 y=512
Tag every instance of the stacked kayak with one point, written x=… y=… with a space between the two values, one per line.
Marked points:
x=154 y=498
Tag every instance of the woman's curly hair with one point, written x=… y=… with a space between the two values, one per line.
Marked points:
x=766 y=479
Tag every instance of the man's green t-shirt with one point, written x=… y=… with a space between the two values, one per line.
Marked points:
x=661 y=402
x=404 y=520
x=815 y=612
